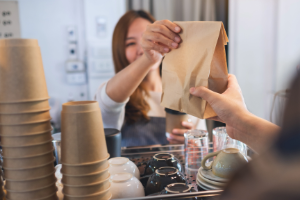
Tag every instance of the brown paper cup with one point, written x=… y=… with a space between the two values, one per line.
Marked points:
x=27 y=162
x=82 y=133
x=18 y=42
x=26 y=140
x=27 y=151
x=33 y=184
x=33 y=194
x=22 y=72
x=86 y=189
x=25 y=129
x=25 y=107
x=24 y=118
x=80 y=106
x=103 y=195
x=86 y=168
x=29 y=173
x=175 y=121
x=85 y=179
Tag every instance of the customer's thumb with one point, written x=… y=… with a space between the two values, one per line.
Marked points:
x=204 y=93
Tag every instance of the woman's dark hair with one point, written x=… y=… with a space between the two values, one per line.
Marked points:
x=137 y=107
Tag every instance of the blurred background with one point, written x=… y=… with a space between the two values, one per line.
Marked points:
x=75 y=40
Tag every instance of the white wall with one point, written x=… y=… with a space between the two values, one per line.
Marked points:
x=47 y=21
x=264 y=47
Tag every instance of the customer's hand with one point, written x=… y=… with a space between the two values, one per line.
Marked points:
x=229 y=106
x=177 y=135
x=159 y=38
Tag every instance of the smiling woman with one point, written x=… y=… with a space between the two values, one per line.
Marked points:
x=130 y=101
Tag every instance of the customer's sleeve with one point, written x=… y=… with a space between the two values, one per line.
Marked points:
x=113 y=113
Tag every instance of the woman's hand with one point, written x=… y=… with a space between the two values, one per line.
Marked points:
x=159 y=38
x=177 y=135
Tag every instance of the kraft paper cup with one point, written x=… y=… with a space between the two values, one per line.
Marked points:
x=86 y=189
x=24 y=118
x=25 y=107
x=27 y=162
x=22 y=72
x=26 y=140
x=33 y=184
x=25 y=129
x=86 y=178
x=82 y=133
x=27 y=151
x=88 y=168
x=103 y=195
x=32 y=194
x=18 y=42
x=29 y=173
x=80 y=106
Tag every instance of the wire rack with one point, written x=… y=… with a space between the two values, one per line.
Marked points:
x=141 y=155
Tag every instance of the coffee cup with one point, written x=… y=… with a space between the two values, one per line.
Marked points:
x=113 y=142
x=227 y=161
x=125 y=185
x=121 y=164
x=163 y=177
x=162 y=160
x=174 y=119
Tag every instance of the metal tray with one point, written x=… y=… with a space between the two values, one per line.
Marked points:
x=141 y=154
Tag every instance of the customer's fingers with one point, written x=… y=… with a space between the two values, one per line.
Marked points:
x=205 y=94
x=233 y=83
x=162 y=29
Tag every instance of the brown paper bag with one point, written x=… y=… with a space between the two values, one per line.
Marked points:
x=200 y=60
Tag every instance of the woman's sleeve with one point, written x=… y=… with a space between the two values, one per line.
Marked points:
x=113 y=113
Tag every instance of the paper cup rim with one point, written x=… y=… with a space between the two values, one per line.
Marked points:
x=38 y=155
x=52 y=173
x=17 y=169
x=78 y=103
x=15 y=191
x=88 y=185
x=24 y=101
x=36 y=122
x=90 y=195
x=49 y=141
x=38 y=133
x=84 y=164
x=91 y=174
x=79 y=112
x=30 y=112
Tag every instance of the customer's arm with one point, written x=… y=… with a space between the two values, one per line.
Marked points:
x=230 y=108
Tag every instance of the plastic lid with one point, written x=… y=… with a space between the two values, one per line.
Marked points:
x=121 y=177
x=111 y=131
x=118 y=161
x=174 y=112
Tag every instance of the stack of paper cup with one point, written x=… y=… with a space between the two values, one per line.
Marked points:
x=83 y=152
x=25 y=127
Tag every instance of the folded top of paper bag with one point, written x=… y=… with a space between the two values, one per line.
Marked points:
x=200 y=60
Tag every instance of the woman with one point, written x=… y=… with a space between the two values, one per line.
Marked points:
x=130 y=101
